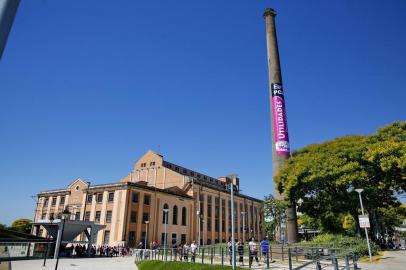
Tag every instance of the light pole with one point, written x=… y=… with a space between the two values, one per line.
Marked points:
x=198 y=227
x=232 y=225
x=203 y=232
x=146 y=236
x=360 y=190
x=243 y=226
x=65 y=215
x=165 y=233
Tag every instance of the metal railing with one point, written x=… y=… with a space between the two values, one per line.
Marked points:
x=286 y=257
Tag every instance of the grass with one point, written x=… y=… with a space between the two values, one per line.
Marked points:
x=159 y=265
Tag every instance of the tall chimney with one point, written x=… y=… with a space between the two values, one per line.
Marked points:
x=280 y=136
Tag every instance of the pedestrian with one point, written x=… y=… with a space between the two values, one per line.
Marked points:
x=230 y=251
x=175 y=249
x=253 y=251
x=186 y=252
x=193 y=248
x=240 y=248
x=264 y=248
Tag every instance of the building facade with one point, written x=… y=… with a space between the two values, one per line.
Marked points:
x=156 y=195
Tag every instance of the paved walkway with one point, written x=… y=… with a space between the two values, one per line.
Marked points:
x=391 y=260
x=115 y=263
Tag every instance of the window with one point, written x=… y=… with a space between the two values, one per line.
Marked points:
x=132 y=238
x=223 y=215
x=145 y=217
x=217 y=214
x=77 y=187
x=89 y=198
x=198 y=176
x=99 y=197
x=51 y=215
x=109 y=215
x=143 y=165
x=53 y=201
x=209 y=201
x=177 y=169
x=174 y=238
x=87 y=216
x=111 y=197
x=192 y=173
x=134 y=198
x=164 y=237
x=62 y=201
x=147 y=199
x=77 y=216
x=152 y=163
x=201 y=203
x=184 y=216
x=133 y=217
x=183 y=238
x=97 y=217
x=164 y=214
x=59 y=216
x=46 y=201
x=43 y=216
x=143 y=234
x=106 y=238
x=175 y=215
x=184 y=171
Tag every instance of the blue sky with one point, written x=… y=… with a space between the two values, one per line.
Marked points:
x=86 y=89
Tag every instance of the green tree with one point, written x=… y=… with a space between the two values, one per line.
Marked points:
x=325 y=175
x=22 y=225
x=274 y=213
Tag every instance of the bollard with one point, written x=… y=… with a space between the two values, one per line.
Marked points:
x=283 y=255
x=290 y=259
x=222 y=257
x=347 y=263
x=202 y=255
x=318 y=266
x=335 y=264
x=267 y=260
x=297 y=259
x=211 y=259
x=270 y=251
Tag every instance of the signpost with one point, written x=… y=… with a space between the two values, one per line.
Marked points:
x=364 y=221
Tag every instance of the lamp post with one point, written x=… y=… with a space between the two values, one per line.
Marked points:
x=146 y=236
x=51 y=219
x=65 y=215
x=165 y=233
x=203 y=232
x=232 y=225
x=198 y=227
x=243 y=226
x=360 y=190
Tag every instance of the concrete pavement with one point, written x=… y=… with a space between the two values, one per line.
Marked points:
x=391 y=260
x=115 y=263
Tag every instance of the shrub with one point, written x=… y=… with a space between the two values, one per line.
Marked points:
x=358 y=245
x=159 y=265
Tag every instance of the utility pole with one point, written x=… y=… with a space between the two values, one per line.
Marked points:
x=280 y=137
x=8 y=10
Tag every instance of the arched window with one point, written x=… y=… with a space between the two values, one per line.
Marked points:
x=164 y=211
x=175 y=215
x=184 y=215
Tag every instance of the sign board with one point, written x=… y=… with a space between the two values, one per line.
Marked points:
x=364 y=221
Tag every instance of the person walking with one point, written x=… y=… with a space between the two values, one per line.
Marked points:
x=186 y=252
x=230 y=251
x=193 y=248
x=240 y=249
x=175 y=250
x=253 y=251
x=264 y=248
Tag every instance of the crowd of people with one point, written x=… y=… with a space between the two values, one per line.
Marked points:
x=252 y=250
x=102 y=251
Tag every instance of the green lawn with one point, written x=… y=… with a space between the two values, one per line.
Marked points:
x=159 y=265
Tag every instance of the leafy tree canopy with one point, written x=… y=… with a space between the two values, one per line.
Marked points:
x=22 y=225
x=325 y=175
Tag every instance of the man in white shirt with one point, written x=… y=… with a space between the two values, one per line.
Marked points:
x=253 y=250
x=193 y=248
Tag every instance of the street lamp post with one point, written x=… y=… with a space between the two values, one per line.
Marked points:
x=232 y=225
x=198 y=227
x=146 y=236
x=165 y=233
x=360 y=190
x=65 y=215
x=243 y=226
